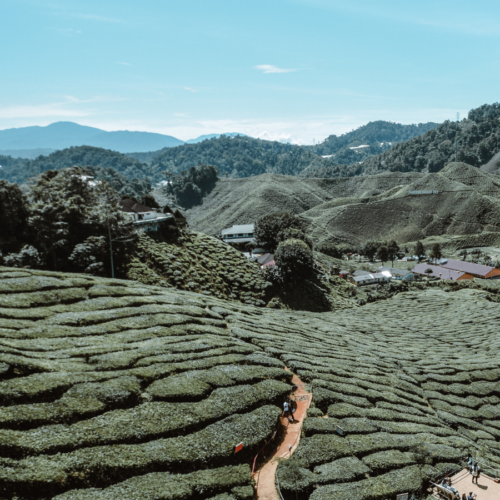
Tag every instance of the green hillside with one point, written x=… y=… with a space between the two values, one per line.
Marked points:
x=113 y=389
x=474 y=140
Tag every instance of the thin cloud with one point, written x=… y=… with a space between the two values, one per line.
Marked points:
x=190 y=89
x=89 y=17
x=269 y=68
x=124 y=63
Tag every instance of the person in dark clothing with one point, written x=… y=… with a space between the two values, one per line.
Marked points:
x=287 y=409
x=475 y=472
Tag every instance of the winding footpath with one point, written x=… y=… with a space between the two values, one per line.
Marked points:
x=265 y=477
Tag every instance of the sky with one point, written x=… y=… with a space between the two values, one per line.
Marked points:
x=294 y=70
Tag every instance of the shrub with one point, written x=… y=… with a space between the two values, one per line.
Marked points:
x=329 y=249
x=295 y=260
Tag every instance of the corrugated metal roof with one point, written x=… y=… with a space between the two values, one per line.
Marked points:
x=370 y=276
x=244 y=228
x=394 y=271
x=438 y=272
x=467 y=267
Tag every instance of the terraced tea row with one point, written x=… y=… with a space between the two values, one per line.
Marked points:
x=112 y=389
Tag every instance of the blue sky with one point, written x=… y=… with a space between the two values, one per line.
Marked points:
x=295 y=70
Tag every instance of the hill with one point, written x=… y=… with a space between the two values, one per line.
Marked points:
x=352 y=210
x=111 y=387
x=19 y=170
x=368 y=140
x=26 y=153
x=202 y=138
x=474 y=140
x=239 y=156
x=63 y=135
x=241 y=201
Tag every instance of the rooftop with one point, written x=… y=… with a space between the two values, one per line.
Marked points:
x=468 y=267
x=438 y=272
x=243 y=228
x=132 y=206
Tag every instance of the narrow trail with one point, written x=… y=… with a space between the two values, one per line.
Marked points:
x=265 y=477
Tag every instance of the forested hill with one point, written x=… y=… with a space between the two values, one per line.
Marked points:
x=126 y=175
x=474 y=140
x=240 y=157
x=376 y=133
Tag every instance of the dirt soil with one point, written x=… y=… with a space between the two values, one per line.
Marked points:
x=265 y=477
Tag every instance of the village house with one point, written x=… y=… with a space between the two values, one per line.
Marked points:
x=371 y=278
x=474 y=270
x=239 y=234
x=144 y=217
x=441 y=272
x=397 y=274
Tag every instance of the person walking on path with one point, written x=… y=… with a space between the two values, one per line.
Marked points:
x=287 y=409
x=475 y=472
x=470 y=464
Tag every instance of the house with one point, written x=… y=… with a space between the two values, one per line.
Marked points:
x=144 y=217
x=360 y=272
x=239 y=234
x=397 y=274
x=265 y=259
x=441 y=272
x=475 y=270
x=371 y=278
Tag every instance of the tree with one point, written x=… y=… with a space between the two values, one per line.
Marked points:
x=419 y=250
x=428 y=271
x=329 y=249
x=463 y=254
x=294 y=259
x=436 y=253
x=150 y=201
x=68 y=210
x=383 y=254
x=394 y=250
x=268 y=228
x=13 y=216
x=293 y=233
x=369 y=249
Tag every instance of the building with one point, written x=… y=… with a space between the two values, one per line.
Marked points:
x=397 y=274
x=144 y=217
x=265 y=259
x=360 y=272
x=441 y=272
x=475 y=270
x=239 y=234
x=372 y=278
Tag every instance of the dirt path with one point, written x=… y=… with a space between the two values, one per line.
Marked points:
x=265 y=476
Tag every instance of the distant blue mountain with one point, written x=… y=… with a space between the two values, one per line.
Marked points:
x=213 y=136
x=63 y=135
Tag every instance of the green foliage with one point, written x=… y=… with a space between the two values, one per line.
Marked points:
x=436 y=253
x=329 y=249
x=296 y=234
x=474 y=141
x=269 y=228
x=383 y=254
x=419 y=250
x=127 y=176
x=68 y=224
x=13 y=216
x=372 y=134
x=239 y=156
x=295 y=260
x=191 y=186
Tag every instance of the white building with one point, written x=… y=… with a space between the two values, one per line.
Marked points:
x=239 y=234
x=145 y=217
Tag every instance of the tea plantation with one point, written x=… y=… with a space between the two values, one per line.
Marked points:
x=114 y=389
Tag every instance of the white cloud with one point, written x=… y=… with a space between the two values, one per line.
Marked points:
x=269 y=68
x=124 y=63
x=93 y=17
x=41 y=111
x=190 y=89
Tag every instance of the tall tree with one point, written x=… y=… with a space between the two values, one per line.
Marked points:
x=394 y=250
x=419 y=250
x=436 y=253
x=383 y=254
x=268 y=228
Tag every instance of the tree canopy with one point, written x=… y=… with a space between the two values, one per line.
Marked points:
x=270 y=229
x=294 y=259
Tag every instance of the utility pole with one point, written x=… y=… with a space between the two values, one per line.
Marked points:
x=111 y=251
